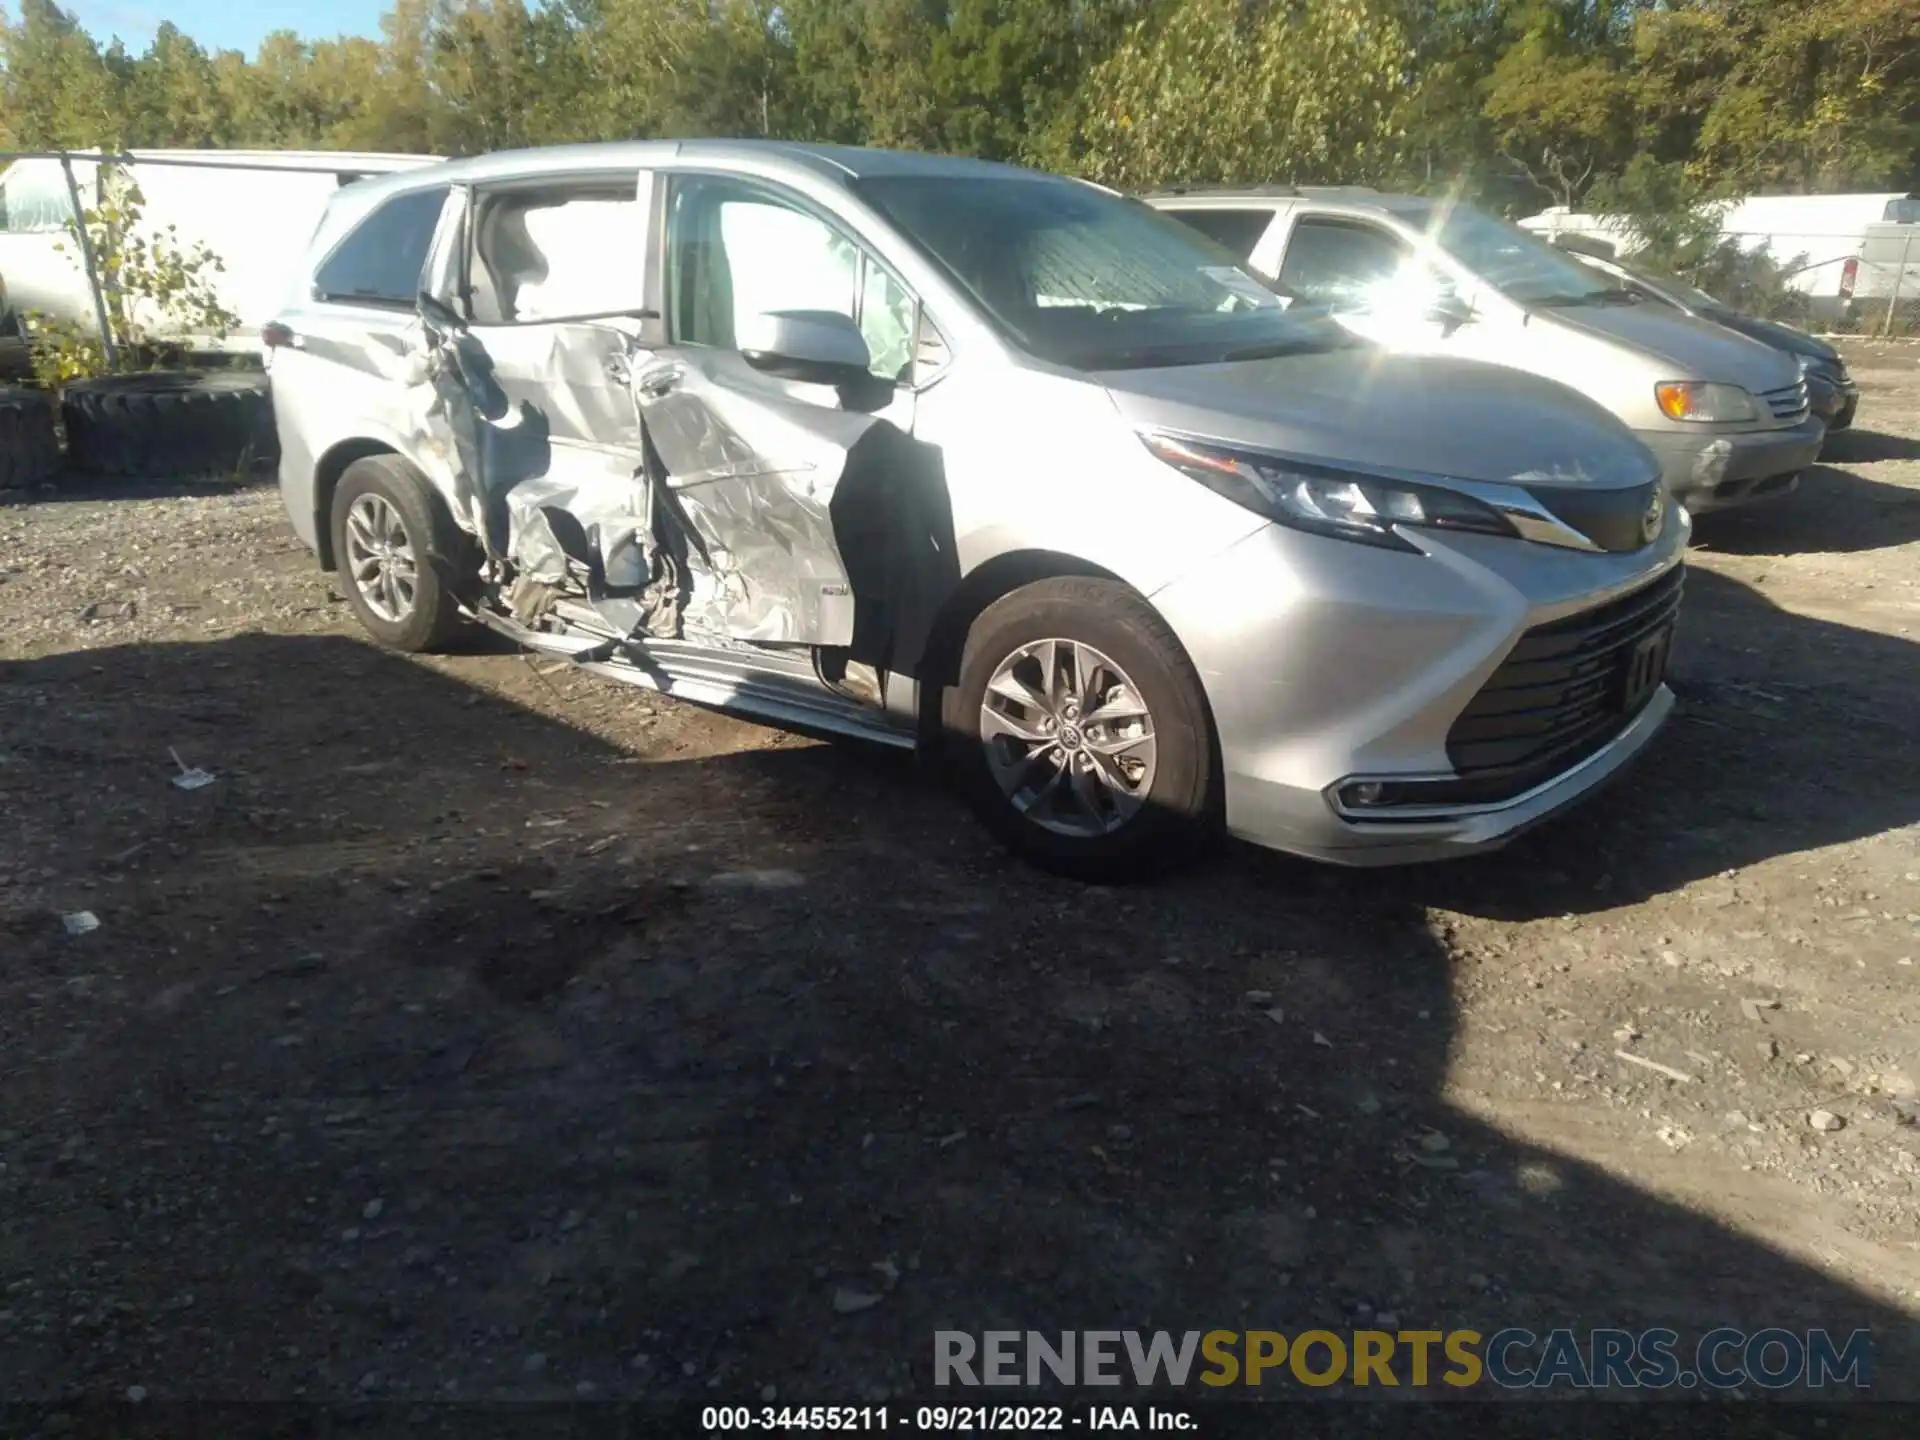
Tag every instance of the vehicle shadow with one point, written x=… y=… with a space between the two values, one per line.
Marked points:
x=441 y=1048
x=1854 y=446
x=1833 y=512
x=71 y=486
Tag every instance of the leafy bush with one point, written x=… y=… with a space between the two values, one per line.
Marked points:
x=1677 y=220
x=156 y=291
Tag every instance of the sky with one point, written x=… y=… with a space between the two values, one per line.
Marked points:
x=226 y=24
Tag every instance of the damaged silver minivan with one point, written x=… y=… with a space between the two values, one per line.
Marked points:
x=992 y=463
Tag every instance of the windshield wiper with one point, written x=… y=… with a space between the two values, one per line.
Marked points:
x=1592 y=297
x=1276 y=348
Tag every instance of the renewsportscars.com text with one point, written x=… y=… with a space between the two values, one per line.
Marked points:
x=1509 y=1359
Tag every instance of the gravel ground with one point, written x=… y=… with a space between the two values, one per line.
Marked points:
x=487 y=1032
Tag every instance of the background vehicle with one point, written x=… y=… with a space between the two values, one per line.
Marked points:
x=255 y=210
x=1831 y=391
x=943 y=453
x=1835 y=246
x=1886 y=283
x=1729 y=417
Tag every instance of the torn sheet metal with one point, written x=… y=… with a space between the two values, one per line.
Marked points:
x=488 y=442
x=752 y=468
x=545 y=436
x=606 y=526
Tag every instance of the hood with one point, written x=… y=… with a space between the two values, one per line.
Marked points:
x=1772 y=332
x=1697 y=349
x=1365 y=408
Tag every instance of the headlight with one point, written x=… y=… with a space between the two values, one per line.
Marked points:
x=1698 y=400
x=1345 y=504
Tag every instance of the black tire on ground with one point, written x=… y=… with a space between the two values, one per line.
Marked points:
x=1181 y=807
x=441 y=554
x=213 y=423
x=29 y=448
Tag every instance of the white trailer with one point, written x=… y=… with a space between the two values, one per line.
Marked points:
x=254 y=209
x=1821 y=239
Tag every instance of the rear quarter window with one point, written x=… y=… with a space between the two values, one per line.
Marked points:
x=1235 y=230
x=381 y=260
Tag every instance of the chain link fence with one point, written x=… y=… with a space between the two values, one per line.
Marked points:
x=1845 y=285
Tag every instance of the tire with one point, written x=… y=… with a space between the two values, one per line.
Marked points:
x=1167 y=809
x=29 y=448
x=386 y=486
x=213 y=423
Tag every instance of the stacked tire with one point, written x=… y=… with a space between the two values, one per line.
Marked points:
x=29 y=449
x=214 y=424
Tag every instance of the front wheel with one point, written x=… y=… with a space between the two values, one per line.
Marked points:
x=1080 y=730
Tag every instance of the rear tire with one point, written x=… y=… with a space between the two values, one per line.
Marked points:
x=399 y=555
x=215 y=424
x=29 y=449
x=1080 y=732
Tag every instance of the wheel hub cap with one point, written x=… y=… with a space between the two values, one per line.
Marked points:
x=380 y=558
x=1068 y=738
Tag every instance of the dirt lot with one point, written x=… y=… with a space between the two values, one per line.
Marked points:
x=483 y=1032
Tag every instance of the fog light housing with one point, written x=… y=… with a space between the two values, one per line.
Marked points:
x=1362 y=793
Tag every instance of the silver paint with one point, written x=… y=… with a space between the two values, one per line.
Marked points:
x=1319 y=658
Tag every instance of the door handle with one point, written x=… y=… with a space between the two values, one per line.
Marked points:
x=659 y=382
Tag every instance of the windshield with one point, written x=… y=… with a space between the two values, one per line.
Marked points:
x=1090 y=280
x=1525 y=269
x=1686 y=294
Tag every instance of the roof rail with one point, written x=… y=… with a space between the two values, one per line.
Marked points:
x=1225 y=190
x=1271 y=190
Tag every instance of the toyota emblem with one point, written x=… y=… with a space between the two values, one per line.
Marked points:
x=1655 y=514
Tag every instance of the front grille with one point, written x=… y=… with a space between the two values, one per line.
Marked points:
x=1556 y=698
x=1611 y=519
x=1789 y=404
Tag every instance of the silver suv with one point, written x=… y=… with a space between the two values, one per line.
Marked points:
x=1728 y=416
x=949 y=454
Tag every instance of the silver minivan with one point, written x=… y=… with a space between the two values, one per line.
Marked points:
x=1728 y=416
x=987 y=462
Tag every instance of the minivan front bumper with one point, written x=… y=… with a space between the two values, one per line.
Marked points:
x=1327 y=662
x=1715 y=471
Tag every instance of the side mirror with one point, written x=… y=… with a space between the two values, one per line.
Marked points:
x=440 y=315
x=819 y=347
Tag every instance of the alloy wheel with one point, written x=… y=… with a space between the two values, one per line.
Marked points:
x=1069 y=740
x=380 y=558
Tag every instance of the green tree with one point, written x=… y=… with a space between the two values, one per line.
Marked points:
x=865 y=70
x=1560 y=97
x=1449 y=141
x=173 y=96
x=58 y=89
x=1790 y=95
x=1313 y=95
x=153 y=286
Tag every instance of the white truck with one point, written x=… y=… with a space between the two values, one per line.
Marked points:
x=1844 y=250
x=254 y=209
